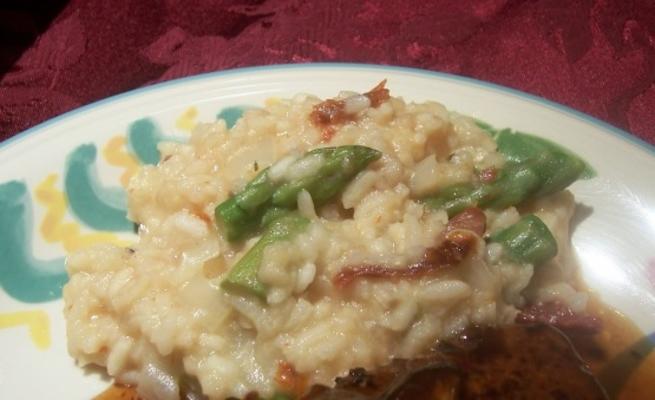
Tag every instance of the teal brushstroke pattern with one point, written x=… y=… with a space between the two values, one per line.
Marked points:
x=98 y=207
x=22 y=276
x=231 y=115
x=143 y=136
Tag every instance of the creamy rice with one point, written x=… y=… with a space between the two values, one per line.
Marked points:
x=155 y=313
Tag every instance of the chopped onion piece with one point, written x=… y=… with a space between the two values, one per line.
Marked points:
x=355 y=104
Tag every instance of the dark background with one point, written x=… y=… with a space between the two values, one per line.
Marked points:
x=597 y=56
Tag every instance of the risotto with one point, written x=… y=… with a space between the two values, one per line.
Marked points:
x=318 y=236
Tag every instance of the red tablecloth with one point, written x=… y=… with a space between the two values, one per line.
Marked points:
x=597 y=56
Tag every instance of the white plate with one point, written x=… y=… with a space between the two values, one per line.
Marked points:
x=614 y=236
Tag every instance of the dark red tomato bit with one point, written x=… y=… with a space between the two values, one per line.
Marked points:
x=378 y=95
x=472 y=219
x=451 y=252
x=329 y=112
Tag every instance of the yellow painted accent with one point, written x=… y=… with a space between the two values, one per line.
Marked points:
x=55 y=229
x=271 y=101
x=187 y=121
x=116 y=155
x=37 y=322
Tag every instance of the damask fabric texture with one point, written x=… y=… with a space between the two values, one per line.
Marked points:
x=597 y=56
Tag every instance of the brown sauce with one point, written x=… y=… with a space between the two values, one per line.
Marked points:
x=514 y=362
x=618 y=358
x=623 y=351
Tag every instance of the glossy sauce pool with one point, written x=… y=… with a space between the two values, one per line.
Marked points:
x=628 y=363
x=619 y=356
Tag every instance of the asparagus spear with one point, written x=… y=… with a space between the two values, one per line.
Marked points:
x=323 y=172
x=242 y=213
x=527 y=241
x=338 y=165
x=518 y=147
x=535 y=167
x=514 y=185
x=243 y=275
x=455 y=199
x=557 y=166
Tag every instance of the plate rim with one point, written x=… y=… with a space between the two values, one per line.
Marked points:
x=584 y=117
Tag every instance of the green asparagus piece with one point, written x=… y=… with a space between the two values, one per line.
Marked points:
x=534 y=167
x=453 y=199
x=234 y=220
x=256 y=193
x=527 y=241
x=519 y=147
x=486 y=127
x=336 y=167
x=273 y=214
x=329 y=170
x=457 y=198
x=515 y=184
x=558 y=170
x=241 y=214
x=243 y=275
